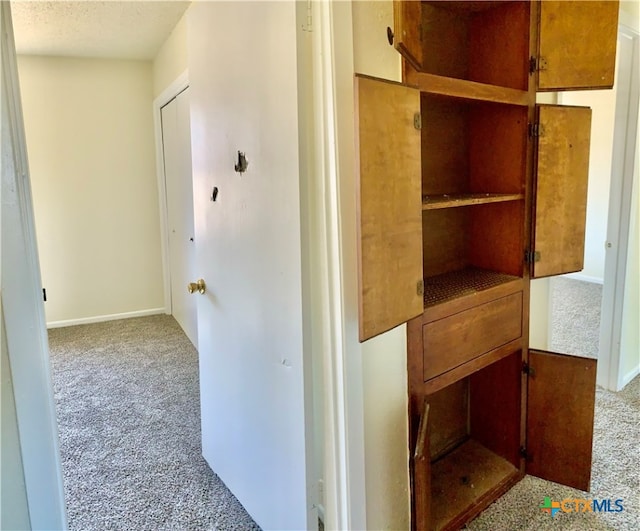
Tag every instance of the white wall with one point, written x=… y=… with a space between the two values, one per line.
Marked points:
x=603 y=106
x=630 y=13
x=89 y=128
x=384 y=359
x=171 y=60
x=539 y=314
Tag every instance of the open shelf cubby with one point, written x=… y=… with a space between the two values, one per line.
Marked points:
x=471 y=249
x=483 y=41
x=472 y=148
x=473 y=441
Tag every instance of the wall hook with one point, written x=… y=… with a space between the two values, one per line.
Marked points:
x=242 y=164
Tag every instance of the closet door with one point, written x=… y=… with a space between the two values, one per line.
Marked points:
x=176 y=145
x=563 y=134
x=577 y=44
x=389 y=205
x=560 y=405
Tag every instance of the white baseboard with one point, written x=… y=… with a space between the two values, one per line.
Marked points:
x=585 y=278
x=629 y=376
x=104 y=318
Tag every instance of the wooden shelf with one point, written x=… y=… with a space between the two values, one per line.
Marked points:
x=465 y=479
x=467 y=90
x=460 y=283
x=434 y=202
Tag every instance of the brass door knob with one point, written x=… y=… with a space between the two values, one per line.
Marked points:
x=199 y=286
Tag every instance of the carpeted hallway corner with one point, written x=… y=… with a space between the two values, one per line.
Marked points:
x=128 y=411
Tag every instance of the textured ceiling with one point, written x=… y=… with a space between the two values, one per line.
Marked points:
x=125 y=30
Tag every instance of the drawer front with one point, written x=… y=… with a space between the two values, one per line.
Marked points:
x=454 y=340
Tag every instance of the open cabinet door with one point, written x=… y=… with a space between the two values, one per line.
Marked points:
x=561 y=189
x=577 y=45
x=389 y=205
x=560 y=405
x=407 y=34
x=422 y=474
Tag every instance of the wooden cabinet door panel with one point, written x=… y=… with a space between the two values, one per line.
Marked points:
x=577 y=45
x=561 y=189
x=389 y=205
x=422 y=474
x=560 y=406
x=407 y=31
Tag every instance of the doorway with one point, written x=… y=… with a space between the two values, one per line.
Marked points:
x=585 y=310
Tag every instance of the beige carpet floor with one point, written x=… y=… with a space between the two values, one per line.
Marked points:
x=128 y=408
x=128 y=412
x=575 y=316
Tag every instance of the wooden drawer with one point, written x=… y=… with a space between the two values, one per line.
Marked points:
x=461 y=337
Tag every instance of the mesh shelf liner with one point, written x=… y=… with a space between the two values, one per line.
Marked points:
x=448 y=286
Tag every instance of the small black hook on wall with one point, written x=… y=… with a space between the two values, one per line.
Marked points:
x=242 y=164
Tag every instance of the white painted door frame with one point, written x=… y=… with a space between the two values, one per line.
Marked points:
x=177 y=86
x=23 y=309
x=343 y=409
x=623 y=163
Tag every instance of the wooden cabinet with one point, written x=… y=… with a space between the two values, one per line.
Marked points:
x=505 y=43
x=566 y=59
x=467 y=189
x=469 y=448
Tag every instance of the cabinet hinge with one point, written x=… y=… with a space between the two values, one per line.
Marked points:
x=524 y=453
x=536 y=130
x=537 y=64
x=417 y=121
x=420 y=287
x=542 y=63
x=528 y=369
x=531 y=256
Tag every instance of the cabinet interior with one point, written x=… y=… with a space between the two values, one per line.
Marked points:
x=473 y=179
x=471 y=147
x=487 y=42
x=474 y=438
